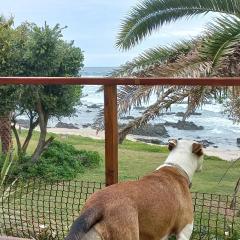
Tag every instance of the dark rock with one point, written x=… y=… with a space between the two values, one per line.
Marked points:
x=206 y=143
x=181 y=114
x=127 y=118
x=238 y=141
x=86 y=125
x=169 y=113
x=151 y=140
x=196 y=114
x=66 y=125
x=183 y=125
x=157 y=130
x=94 y=106
x=88 y=111
x=140 y=108
x=215 y=146
x=23 y=123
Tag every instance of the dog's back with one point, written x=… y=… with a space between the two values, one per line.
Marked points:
x=153 y=207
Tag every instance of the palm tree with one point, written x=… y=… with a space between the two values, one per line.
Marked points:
x=215 y=53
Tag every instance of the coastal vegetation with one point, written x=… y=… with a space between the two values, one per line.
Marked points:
x=60 y=161
x=30 y=50
x=214 y=53
x=136 y=159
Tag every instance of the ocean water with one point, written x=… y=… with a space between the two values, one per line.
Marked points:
x=96 y=71
x=217 y=127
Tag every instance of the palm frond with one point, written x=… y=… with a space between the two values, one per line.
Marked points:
x=131 y=96
x=232 y=105
x=223 y=38
x=153 y=56
x=134 y=96
x=170 y=97
x=197 y=97
x=189 y=66
x=152 y=14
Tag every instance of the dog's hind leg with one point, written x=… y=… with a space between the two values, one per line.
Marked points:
x=186 y=232
x=123 y=224
x=92 y=235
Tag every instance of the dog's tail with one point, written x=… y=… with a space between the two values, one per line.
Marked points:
x=84 y=223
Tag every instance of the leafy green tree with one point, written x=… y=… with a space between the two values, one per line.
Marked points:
x=44 y=53
x=10 y=56
x=215 y=53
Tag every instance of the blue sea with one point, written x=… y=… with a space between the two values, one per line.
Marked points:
x=217 y=127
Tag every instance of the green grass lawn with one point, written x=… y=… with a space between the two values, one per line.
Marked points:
x=138 y=159
x=135 y=160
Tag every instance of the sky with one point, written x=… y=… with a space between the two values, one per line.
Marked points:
x=94 y=24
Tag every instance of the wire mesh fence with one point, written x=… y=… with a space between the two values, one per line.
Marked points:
x=42 y=210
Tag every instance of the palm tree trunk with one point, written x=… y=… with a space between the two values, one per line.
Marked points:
x=5 y=133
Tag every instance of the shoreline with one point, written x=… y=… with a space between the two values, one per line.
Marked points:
x=225 y=154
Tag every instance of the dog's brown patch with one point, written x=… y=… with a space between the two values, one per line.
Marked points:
x=197 y=148
x=172 y=144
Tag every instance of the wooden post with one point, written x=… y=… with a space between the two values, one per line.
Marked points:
x=111 y=134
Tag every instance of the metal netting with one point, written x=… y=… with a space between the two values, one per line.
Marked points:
x=42 y=210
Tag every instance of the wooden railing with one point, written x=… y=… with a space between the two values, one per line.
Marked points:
x=110 y=103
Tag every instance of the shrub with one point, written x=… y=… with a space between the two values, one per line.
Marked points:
x=60 y=161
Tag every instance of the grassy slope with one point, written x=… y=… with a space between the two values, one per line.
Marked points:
x=138 y=159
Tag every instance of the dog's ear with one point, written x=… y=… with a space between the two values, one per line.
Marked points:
x=197 y=148
x=172 y=144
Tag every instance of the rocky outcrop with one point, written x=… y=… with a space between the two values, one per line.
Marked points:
x=94 y=106
x=182 y=114
x=151 y=140
x=183 y=125
x=206 y=143
x=140 y=108
x=66 y=125
x=127 y=118
x=86 y=125
x=150 y=130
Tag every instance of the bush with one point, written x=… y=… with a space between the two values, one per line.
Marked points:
x=60 y=161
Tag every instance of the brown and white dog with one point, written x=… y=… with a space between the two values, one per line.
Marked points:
x=152 y=208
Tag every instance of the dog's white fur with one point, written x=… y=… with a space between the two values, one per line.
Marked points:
x=182 y=156
x=186 y=233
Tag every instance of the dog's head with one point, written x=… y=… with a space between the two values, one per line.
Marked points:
x=186 y=152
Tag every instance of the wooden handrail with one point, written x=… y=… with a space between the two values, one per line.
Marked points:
x=226 y=81
x=110 y=102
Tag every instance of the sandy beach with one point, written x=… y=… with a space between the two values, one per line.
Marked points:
x=226 y=154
